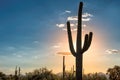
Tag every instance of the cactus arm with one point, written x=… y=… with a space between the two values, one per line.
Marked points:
x=87 y=42
x=70 y=39
x=90 y=39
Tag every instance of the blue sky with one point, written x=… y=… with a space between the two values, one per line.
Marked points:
x=31 y=35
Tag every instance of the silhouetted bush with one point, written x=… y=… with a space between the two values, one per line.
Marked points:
x=95 y=76
x=114 y=73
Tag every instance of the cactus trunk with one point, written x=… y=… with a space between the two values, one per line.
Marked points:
x=79 y=68
x=78 y=54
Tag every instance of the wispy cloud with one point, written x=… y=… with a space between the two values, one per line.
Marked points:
x=74 y=18
x=112 y=51
x=73 y=29
x=10 y=48
x=73 y=25
x=85 y=17
x=84 y=25
x=56 y=45
x=17 y=55
x=60 y=25
x=70 y=18
x=65 y=12
x=64 y=53
x=63 y=25
x=35 y=57
x=64 y=29
x=36 y=42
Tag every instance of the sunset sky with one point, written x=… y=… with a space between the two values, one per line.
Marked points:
x=32 y=32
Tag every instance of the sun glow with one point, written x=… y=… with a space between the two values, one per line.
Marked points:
x=91 y=58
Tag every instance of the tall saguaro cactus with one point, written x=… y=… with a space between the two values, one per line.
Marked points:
x=78 y=54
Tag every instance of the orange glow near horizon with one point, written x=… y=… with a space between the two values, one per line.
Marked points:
x=91 y=58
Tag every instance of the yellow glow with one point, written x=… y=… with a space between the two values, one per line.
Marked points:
x=91 y=61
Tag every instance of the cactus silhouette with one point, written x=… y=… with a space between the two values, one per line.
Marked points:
x=19 y=73
x=15 y=76
x=63 y=67
x=79 y=49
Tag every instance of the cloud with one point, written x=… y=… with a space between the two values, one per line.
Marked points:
x=64 y=53
x=87 y=15
x=70 y=18
x=67 y=11
x=56 y=46
x=36 y=42
x=63 y=25
x=73 y=25
x=73 y=29
x=86 y=19
x=60 y=25
x=17 y=55
x=64 y=29
x=112 y=51
x=84 y=25
x=11 y=48
x=35 y=57
x=74 y=18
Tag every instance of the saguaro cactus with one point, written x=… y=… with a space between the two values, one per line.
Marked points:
x=15 y=76
x=79 y=49
x=63 y=67
x=19 y=73
x=16 y=71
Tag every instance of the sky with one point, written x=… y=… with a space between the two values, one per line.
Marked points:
x=32 y=32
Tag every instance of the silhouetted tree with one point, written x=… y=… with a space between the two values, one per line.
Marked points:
x=69 y=75
x=2 y=76
x=114 y=73
x=79 y=50
x=94 y=76
x=41 y=74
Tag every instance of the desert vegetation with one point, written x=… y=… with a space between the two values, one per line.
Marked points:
x=46 y=74
x=77 y=74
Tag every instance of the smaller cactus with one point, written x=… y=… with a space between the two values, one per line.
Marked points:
x=19 y=73
x=63 y=67
x=16 y=76
x=16 y=71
